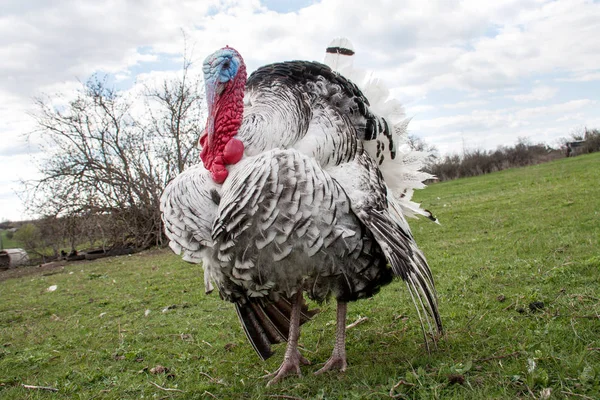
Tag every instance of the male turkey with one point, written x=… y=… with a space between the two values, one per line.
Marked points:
x=269 y=224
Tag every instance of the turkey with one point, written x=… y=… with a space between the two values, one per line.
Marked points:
x=289 y=200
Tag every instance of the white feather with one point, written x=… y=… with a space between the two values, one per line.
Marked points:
x=404 y=173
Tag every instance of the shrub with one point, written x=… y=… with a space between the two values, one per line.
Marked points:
x=478 y=162
x=592 y=141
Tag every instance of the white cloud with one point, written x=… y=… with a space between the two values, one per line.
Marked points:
x=571 y=117
x=553 y=109
x=507 y=117
x=438 y=57
x=411 y=110
x=582 y=77
x=538 y=93
x=48 y=41
x=466 y=104
x=488 y=129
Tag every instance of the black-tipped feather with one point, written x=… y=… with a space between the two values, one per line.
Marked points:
x=408 y=262
x=273 y=332
x=266 y=323
x=285 y=304
x=312 y=78
x=254 y=331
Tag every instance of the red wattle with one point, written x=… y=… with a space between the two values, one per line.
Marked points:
x=219 y=175
x=223 y=124
x=233 y=151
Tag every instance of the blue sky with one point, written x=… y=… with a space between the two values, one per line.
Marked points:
x=471 y=74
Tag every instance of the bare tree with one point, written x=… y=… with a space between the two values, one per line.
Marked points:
x=176 y=118
x=418 y=144
x=108 y=164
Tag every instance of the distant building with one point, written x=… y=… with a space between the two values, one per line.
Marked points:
x=10 y=258
x=573 y=146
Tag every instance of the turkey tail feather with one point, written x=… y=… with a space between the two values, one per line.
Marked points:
x=285 y=304
x=266 y=323
x=273 y=330
x=255 y=332
x=407 y=262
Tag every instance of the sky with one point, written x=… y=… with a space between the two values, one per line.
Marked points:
x=471 y=74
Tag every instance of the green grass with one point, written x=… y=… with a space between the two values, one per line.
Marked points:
x=507 y=240
x=6 y=242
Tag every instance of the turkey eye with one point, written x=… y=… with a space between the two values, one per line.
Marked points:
x=226 y=65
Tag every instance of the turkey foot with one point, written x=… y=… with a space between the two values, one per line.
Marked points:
x=336 y=361
x=338 y=356
x=293 y=358
x=289 y=365
x=302 y=360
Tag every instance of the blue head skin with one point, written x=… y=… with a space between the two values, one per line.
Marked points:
x=221 y=66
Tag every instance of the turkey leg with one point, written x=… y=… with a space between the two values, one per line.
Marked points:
x=292 y=359
x=338 y=356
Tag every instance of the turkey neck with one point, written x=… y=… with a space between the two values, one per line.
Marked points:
x=225 y=113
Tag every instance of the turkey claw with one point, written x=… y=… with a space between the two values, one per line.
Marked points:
x=334 y=362
x=290 y=365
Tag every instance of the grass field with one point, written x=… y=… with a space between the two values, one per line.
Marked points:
x=6 y=242
x=517 y=265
